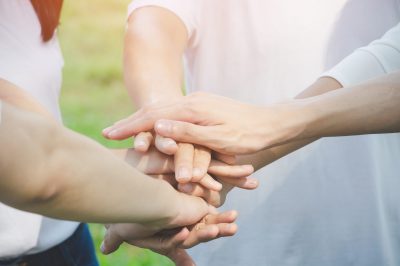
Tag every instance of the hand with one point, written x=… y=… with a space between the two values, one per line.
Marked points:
x=217 y=198
x=216 y=122
x=171 y=243
x=154 y=162
x=191 y=161
x=232 y=178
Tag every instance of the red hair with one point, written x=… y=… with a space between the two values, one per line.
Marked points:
x=48 y=13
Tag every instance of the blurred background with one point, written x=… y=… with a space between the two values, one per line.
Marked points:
x=93 y=95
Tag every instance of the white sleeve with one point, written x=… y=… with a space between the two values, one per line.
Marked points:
x=379 y=57
x=185 y=10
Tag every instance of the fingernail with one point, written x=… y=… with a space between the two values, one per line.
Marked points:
x=102 y=248
x=252 y=182
x=113 y=133
x=217 y=186
x=186 y=188
x=183 y=174
x=140 y=144
x=168 y=144
x=163 y=127
x=249 y=168
x=197 y=172
x=106 y=130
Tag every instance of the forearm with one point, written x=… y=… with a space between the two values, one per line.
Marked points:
x=154 y=45
x=55 y=172
x=368 y=108
x=267 y=156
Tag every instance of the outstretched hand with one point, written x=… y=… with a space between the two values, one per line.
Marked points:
x=171 y=243
x=216 y=122
x=161 y=165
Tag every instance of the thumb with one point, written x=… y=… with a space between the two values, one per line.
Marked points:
x=181 y=258
x=111 y=242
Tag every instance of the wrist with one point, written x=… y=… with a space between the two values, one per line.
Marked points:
x=286 y=122
x=166 y=208
x=321 y=116
x=311 y=115
x=157 y=98
x=187 y=210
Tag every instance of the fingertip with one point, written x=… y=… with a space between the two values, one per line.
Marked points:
x=102 y=248
x=217 y=186
x=165 y=145
x=105 y=249
x=252 y=183
x=249 y=168
x=234 y=214
x=198 y=173
x=232 y=229
x=114 y=134
x=230 y=216
x=106 y=131
x=183 y=175
x=210 y=183
x=141 y=146
x=163 y=127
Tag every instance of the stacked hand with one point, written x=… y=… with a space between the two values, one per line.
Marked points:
x=171 y=243
x=199 y=172
x=221 y=124
x=192 y=225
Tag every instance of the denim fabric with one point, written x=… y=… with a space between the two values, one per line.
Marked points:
x=78 y=250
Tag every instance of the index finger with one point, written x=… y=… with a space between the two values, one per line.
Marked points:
x=145 y=118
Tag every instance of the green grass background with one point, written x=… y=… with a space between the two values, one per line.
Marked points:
x=93 y=95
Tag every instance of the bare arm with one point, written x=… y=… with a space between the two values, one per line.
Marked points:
x=154 y=44
x=155 y=40
x=50 y=170
x=208 y=119
x=267 y=156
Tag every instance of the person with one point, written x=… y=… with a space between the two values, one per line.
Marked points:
x=51 y=149
x=31 y=59
x=371 y=107
x=329 y=203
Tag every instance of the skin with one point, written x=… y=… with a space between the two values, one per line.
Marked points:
x=60 y=167
x=262 y=141
x=154 y=45
x=149 y=42
x=337 y=113
x=154 y=74
x=258 y=159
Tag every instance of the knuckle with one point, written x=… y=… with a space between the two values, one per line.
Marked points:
x=189 y=109
x=182 y=129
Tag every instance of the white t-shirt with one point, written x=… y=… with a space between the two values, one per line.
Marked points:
x=35 y=67
x=378 y=58
x=334 y=202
